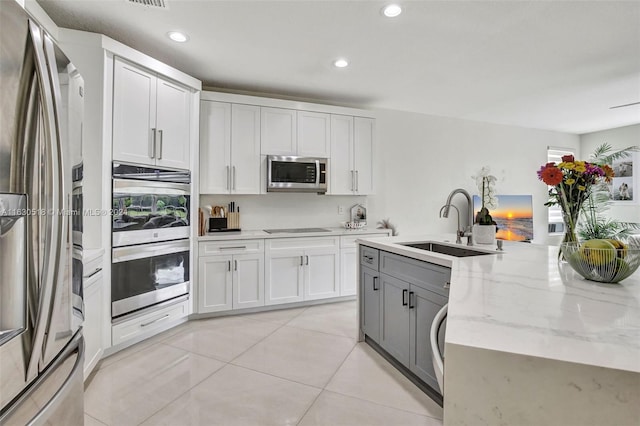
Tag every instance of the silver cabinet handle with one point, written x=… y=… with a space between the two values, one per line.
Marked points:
x=234 y=178
x=152 y=143
x=357 y=179
x=352 y=179
x=301 y=260
x=446 y=285
x=160 y=145
x=233 y=248
x=228 y=177
x=235 y=265
x=155 y=320
x=229 y=265
x=375 y=280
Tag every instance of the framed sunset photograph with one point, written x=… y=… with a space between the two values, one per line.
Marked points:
x=514 y=216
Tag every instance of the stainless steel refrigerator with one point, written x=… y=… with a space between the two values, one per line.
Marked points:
x=41 y=307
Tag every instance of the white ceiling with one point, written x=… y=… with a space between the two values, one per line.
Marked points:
x=556 y=65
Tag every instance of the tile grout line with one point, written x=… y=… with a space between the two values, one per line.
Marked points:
x=93 y=418
x=324 y=388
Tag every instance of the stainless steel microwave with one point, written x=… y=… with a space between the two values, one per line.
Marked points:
x=297 y=174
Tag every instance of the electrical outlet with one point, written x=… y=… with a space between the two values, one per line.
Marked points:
x=340 y=209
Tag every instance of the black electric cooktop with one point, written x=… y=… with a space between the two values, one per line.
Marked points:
x=295 y=230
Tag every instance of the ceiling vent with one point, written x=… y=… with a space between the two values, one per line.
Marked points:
x=159 y=4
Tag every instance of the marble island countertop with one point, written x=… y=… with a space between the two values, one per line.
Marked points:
x=521 y=327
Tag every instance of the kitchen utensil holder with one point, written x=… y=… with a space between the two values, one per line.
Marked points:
x=233 y=220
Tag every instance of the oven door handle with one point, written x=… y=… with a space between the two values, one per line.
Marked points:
x=136 y=186
x=123 y=254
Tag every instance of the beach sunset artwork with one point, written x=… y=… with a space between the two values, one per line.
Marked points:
x=514 y=216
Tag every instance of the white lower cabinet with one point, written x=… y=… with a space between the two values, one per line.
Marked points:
x=299 y=269
x=349 y=262
x=93 y=321
x=231 y=281
x=149 y=324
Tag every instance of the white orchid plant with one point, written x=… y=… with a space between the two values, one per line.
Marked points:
x=486 y=186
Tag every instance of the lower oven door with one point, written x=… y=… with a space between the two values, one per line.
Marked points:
x=147 y=274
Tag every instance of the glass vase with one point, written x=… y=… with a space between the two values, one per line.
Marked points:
x=570 y=219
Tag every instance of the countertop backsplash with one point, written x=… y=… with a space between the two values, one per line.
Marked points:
x=286 y=210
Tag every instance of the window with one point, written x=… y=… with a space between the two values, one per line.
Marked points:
x=556 y=225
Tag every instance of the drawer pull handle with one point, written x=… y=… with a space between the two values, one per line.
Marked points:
x=155 y=321
x=446 y=285
x=404 y=297
x=233 y=248
x=375 y=280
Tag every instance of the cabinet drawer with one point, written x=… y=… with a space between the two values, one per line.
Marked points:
x=369 y=257
x=208 y=248
x=423 y=274
x=149 y=323
x=303 y=243
x=349 y=241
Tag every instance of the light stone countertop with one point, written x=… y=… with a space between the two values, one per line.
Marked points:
x=519 y=301
x=260 y=234
x=529 y=343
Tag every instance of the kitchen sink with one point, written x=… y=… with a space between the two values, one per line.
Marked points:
x=446 y=249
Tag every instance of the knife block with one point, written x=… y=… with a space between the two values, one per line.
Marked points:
x=233 y=220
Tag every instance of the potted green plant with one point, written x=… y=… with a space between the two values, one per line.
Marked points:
x=484 y=227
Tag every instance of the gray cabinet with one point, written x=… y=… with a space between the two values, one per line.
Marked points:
x=394 y=313
x=400 y=299
x=423 y=307
x=370 y=291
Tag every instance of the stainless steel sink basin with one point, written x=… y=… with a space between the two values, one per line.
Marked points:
x=446 y=249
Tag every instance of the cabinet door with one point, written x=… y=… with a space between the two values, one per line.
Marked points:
x=394 y=325
x=245 y=149
x=348 y=271
x=248 y=280
x=278 y=131
x=342 y=173
x=424 y=305
x=215 y=147
x=314 y=134
x=363 y=137
x=93 y=323
x=370 y=291
x=134 y=114
x=322 y=274
x=214 y=284
x=173 y=121
x=283 y=276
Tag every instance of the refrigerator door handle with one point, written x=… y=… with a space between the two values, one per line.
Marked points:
x=53 y=188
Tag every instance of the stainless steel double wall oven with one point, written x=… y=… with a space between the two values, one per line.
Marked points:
x=150 y=237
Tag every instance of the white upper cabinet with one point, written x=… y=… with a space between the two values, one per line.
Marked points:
x=278 y=131
x=151 y=118
x=215 y=147
x=229 y=148
x=352 y=148
x=172 y=120
x=314 y=134
x=291 y=132
x=363 y=137
x=245 y=149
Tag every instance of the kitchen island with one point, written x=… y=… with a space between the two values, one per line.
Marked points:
x=530 y=343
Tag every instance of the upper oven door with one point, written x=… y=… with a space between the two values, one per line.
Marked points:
x=296 y=174
x=145 y=211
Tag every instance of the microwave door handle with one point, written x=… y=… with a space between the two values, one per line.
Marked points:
x=317 y=173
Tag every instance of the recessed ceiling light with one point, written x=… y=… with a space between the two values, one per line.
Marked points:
x=178 y=36
x=391 y=10
x=340 y=63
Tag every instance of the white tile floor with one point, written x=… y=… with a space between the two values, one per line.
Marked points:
x=289 y=367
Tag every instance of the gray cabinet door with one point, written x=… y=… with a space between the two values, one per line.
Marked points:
x=423 y=306
x=394 y=306
x=370 y=291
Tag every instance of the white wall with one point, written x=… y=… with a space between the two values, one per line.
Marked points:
x=619 y=138
x=423 y=158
